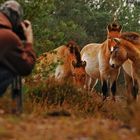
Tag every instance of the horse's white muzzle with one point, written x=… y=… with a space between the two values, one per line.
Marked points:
x=112 y=64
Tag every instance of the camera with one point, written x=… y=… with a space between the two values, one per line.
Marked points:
x=20 y=32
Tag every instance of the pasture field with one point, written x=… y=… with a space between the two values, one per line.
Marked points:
x=63 y=112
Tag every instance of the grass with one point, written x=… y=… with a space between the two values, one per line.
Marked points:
x=63 y=112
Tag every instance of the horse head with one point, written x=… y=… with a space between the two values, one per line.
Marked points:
x=128 y=46
x=79 y=73
x=77 y=65
x=114 y=28
x=118 y=54
x=113 y=31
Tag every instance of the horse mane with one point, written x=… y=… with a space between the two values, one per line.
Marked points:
x=78 y=57
x=75 y=49
x=133 y=37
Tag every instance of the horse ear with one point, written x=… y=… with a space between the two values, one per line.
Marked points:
x=109 y=28
x=120 y=28
x=74 y=63
x=117 y=40
x=84 y=63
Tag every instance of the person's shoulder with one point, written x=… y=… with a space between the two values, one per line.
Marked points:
x=9 y=35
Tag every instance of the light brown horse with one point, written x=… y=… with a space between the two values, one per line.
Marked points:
x=97 y=61
x=63 y=64
x=127 y=54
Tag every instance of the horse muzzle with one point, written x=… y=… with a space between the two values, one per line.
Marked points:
x=114 y=66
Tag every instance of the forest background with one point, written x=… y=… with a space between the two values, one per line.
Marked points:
x=57 y=21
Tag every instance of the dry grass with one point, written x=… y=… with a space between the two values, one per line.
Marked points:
x=63 y=112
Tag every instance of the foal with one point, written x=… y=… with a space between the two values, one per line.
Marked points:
x=127 y=53
x=63 y=64
x=97 y=61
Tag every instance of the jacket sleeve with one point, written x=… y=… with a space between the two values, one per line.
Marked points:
x=27 y=59
x=19 y=57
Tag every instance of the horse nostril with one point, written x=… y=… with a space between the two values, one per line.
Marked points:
x=113 y=65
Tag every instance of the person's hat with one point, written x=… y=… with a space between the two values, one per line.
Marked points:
x=13 y=5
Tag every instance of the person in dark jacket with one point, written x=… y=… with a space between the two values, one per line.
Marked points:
x=17 y=56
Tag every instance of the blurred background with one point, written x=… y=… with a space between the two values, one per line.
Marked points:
x=57 y=21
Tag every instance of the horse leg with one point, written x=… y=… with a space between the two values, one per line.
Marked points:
x=93 y=84
x=131 y=87
x=135 y=90
x=104 y=89
x=88 y=81
x=128 y=85
x=113 y=89
x=113 y=83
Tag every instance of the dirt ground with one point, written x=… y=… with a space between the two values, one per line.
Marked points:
x=63 y=125
x=64 y=128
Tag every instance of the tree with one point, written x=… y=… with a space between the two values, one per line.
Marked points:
x=84 y=21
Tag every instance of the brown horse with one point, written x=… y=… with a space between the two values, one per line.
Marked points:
x=127 y=54
x=97 y=61
x=63 y=64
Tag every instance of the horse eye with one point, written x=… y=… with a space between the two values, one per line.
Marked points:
x=116 y=48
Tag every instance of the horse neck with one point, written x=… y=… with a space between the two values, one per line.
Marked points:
x=72 y=58
x=133 y=51
x=113 y=34
x=61 y=50
x=64 y=54
x=105 y=48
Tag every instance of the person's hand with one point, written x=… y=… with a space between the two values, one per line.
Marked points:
x=27 y=28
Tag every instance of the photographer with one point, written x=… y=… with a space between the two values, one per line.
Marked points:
x=17 y=56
